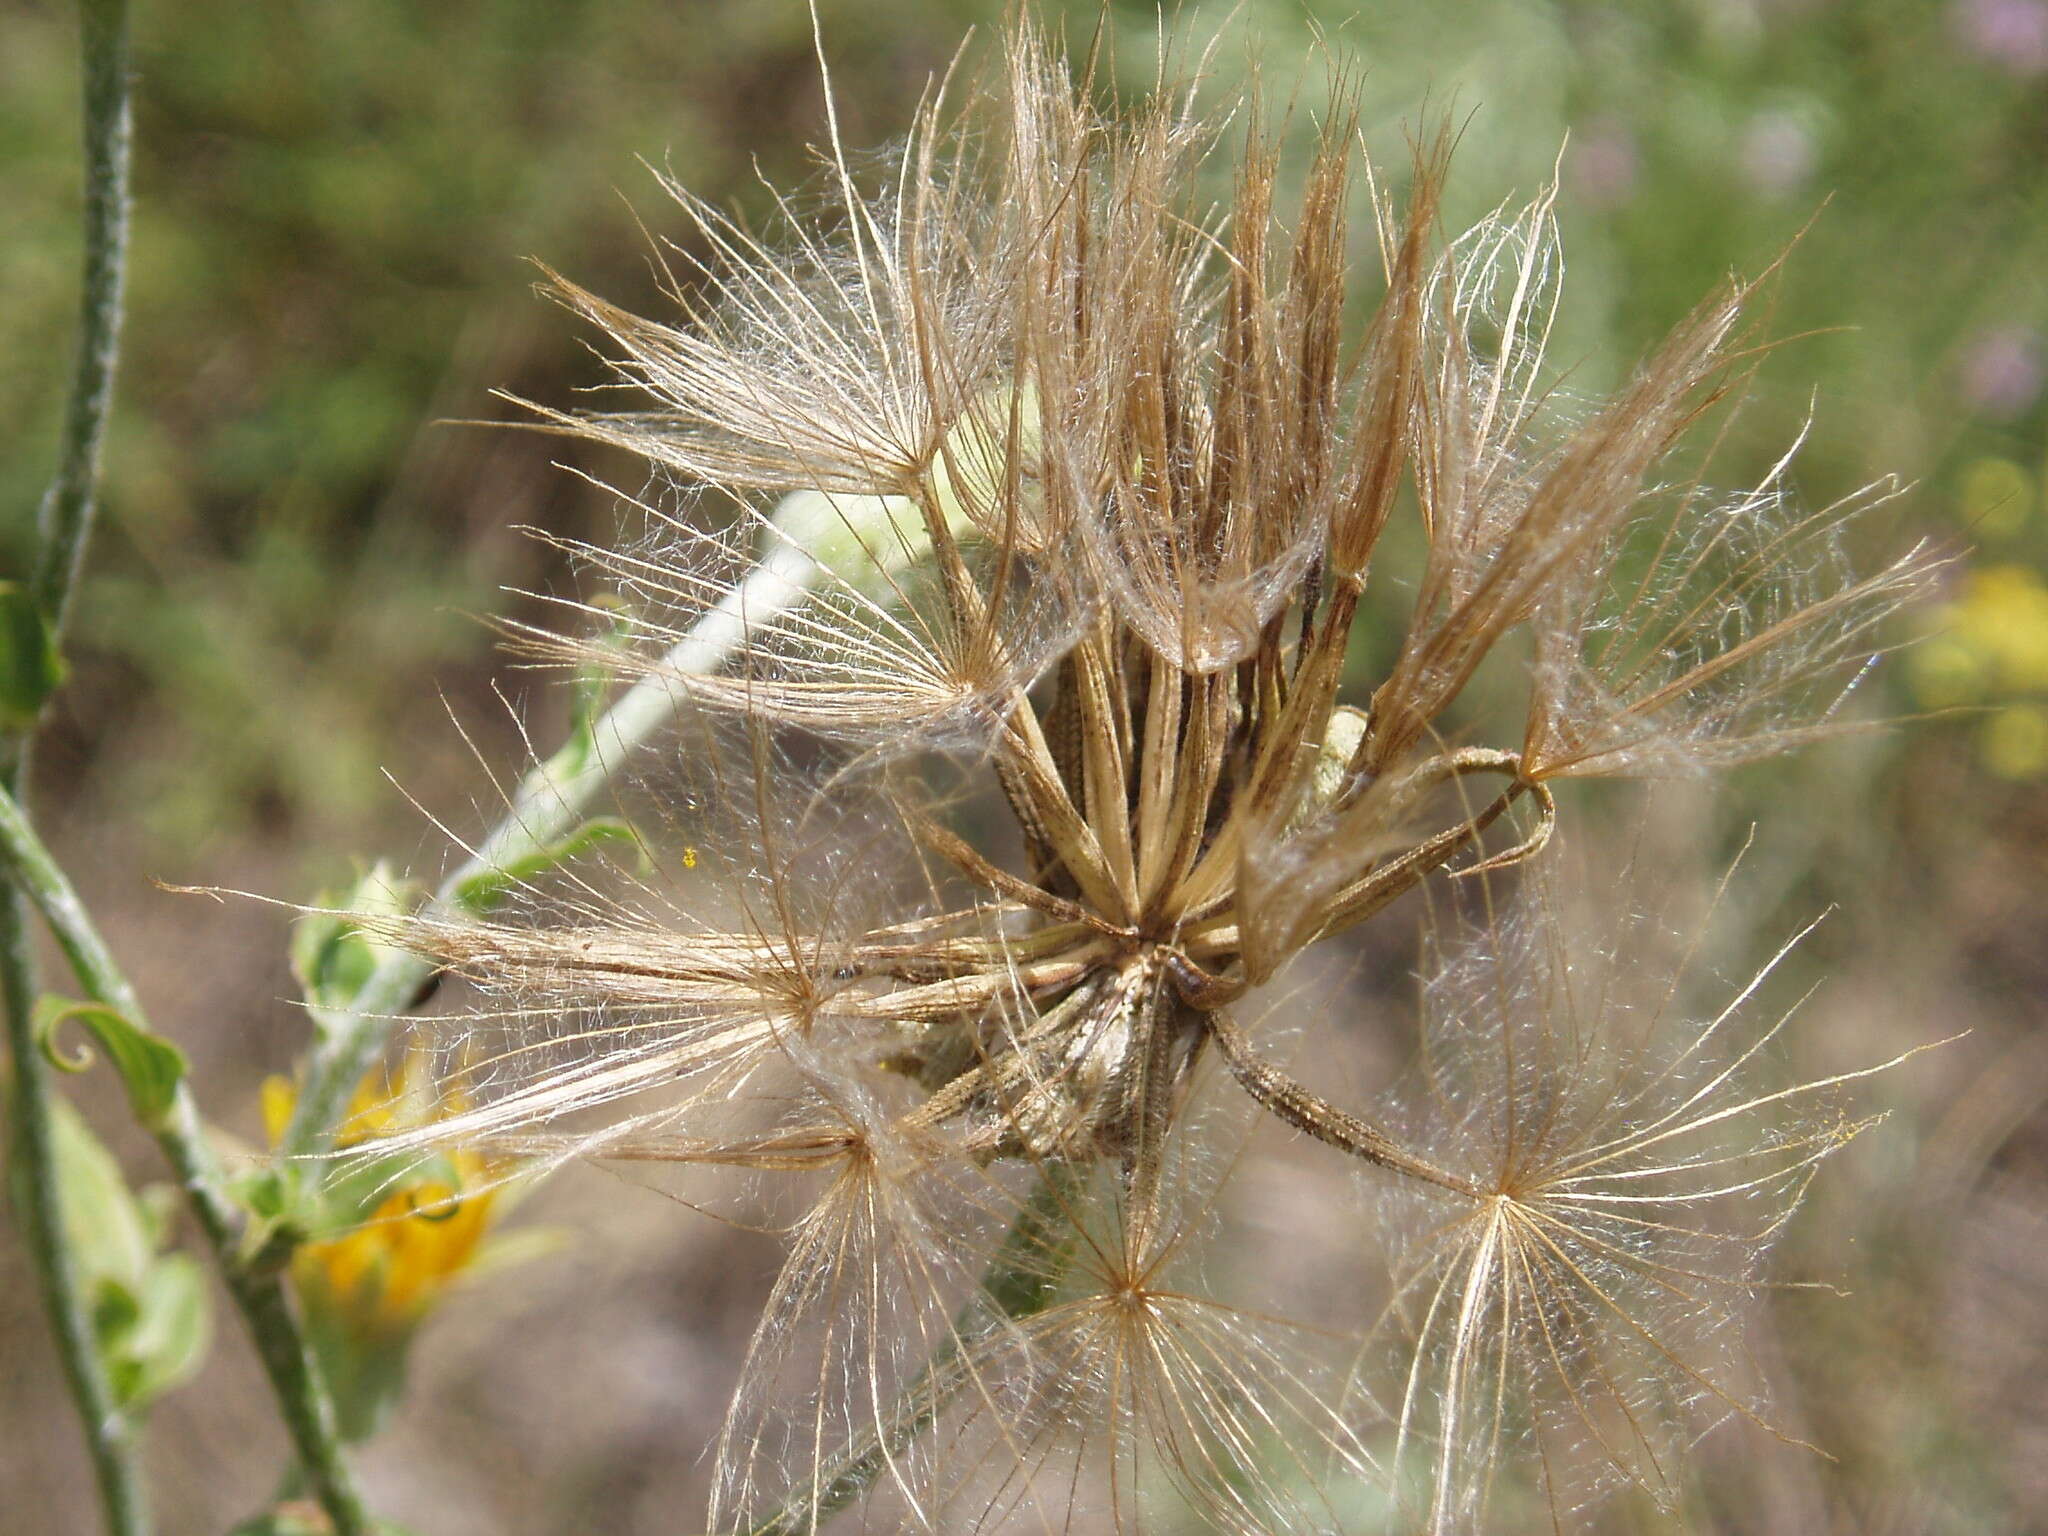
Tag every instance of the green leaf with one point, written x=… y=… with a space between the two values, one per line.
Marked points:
x=331 y=956
x=317 y=953
x=116 y=1308
x=150 y=1066
x=172 y=1331
x=30 y=667
x=159 y=1205
x=104 y=1228
x=151 y=1313
x=480 y=892
x=277 y=1223
x=262 y=1192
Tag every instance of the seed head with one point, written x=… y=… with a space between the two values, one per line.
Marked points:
x=1027 y=484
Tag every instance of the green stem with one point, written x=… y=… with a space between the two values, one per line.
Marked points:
x=110 y=1438
x=280 y=1344
x=64 y=520
x=549 y=803
x=1020 y=1282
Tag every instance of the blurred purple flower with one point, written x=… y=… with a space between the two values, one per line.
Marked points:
x=1777 y=154
x=1602 y=164
x=2002 y=370
x=2010 y=33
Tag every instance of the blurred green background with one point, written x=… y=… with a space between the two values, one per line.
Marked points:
x=334 y=205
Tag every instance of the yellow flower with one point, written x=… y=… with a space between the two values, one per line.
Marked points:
x=391 y=1265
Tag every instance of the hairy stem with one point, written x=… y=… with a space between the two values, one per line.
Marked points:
x=110 y=1438
x=281 y=1345
x=64 y=521
x=1020 y=1282
x=548 y=804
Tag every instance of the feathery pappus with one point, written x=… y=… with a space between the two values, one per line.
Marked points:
x=1022 y=475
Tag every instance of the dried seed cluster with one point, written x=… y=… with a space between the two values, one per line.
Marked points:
x=1082 y=489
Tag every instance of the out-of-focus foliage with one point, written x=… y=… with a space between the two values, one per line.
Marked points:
x=334 y=207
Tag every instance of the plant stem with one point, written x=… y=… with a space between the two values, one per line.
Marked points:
x=287 y=1360
x=109 y=1436
x=64 y=521
x=1020 y=1282
x=548 y=804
